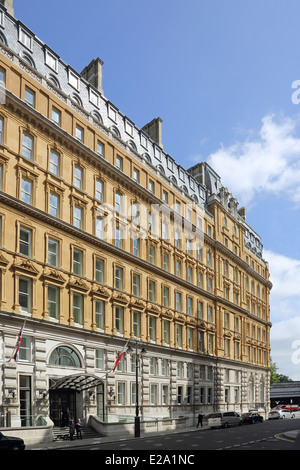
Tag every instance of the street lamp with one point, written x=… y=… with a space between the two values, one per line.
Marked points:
x=137 y=431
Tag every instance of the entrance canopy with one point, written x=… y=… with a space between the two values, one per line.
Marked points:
x=77 y=382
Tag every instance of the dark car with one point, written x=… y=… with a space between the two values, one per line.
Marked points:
x=11 y=443
x=252 y=417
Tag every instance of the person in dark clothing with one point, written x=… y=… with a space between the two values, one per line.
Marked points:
x=199 y=420
x=72 y=430
x=79 y=429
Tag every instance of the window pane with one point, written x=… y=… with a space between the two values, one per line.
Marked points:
x=77 y=262
x=27 y=146
x=54 y=163
x=77 y=308
x=25 y=294
x=26 y=191
x=25 y=241
x=52 y=252
x=53 y=301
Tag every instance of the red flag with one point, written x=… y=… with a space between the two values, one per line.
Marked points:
x=120 y=356
x=18 y=345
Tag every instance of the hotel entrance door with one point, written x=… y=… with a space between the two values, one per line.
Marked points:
x=62 y=406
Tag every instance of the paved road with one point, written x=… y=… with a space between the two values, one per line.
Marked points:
x=269 y=435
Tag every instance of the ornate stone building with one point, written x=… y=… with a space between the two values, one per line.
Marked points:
x=104 y=239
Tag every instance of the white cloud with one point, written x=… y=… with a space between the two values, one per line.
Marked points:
x=285 y=313
x=267 y=162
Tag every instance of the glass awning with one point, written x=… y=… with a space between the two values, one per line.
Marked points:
x=77 y=382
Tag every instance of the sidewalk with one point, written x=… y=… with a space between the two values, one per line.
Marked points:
x=61 y=445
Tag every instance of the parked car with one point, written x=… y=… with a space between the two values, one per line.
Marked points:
x=224 y=419
x=281 y=414
x=11 y=443
x=252 y=417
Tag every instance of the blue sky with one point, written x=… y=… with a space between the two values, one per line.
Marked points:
x=220 y=75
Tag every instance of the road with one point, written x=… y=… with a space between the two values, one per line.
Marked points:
x=260 y=436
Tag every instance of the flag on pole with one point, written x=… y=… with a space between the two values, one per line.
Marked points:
x=18 y=345
x=120 y=356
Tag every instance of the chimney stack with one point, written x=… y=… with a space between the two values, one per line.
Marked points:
x=93 y=73
x=8 y=4
x=154 y=130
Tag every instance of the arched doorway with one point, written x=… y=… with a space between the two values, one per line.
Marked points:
x=65 y=393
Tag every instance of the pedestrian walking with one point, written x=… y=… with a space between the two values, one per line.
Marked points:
x=72 y=430
x=79 y=429
x=199 y=420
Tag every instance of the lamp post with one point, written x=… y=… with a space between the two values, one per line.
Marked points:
x=137 y=422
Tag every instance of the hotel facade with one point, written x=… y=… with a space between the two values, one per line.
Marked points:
x=106 y=241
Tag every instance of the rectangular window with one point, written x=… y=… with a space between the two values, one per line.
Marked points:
x=100 y=149
x=166 y=262
x=73 y=80
x=166 y=331
x=25 y=349
x=25 y=241
x=29 y=97
x=153 y=394
x=165 y=394
x=99 y=271
x=151 y=186
x=51 y=61
x=165 y=296
x=77 y=262
x=99 y=191
x=152 y=328
x=99 y=310
x=56 y=116
x=78 y=217
x=121 y=393
x=26 y=190
x=151 y=291
x=118 y=278
x=25 y=38
x=54 y=163
x=79 y=133
x=25 y=294
x=53 y=252
x=136 y=247
x=119 y=319
x=1 y=129
x=99 y=359
x=136 y=175
x=27 y=146
x=151 y=254
x=178 y=301
x=118 y=202
x=78 y=177
x=53 y=301
x=77 y=308
x=2 y=76
x=136 y=324
x=100 y=228
x=136 y=285
x=179 y=335
x=119 y=162
x=54 y=204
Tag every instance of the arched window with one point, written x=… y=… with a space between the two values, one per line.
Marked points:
x=65 y=356
x=54 y=80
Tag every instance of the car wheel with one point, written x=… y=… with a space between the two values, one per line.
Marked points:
x=225 y=425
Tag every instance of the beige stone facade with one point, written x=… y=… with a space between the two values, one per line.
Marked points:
x=201 y=311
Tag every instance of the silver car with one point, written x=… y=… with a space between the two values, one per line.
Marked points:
x=281 y=414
